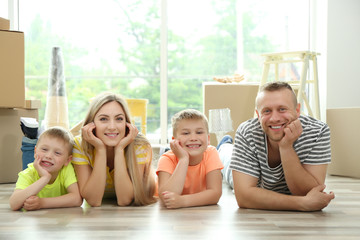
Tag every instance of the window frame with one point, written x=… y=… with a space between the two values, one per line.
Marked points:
x=13 y=15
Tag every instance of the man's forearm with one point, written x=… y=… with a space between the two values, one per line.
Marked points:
x=248 y=195
x=258 y=198
x=298 y=179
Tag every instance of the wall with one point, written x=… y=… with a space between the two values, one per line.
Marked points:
x=317 y=43
x=343 y=52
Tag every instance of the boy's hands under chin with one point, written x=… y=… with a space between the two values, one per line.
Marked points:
x=178 y=150
x=41 y=171
x=88 y=135
x=291 y=133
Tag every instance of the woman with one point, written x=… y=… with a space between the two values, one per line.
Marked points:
x=111 y=158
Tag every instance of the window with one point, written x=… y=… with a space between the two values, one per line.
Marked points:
x=115 y=45
x=3 y=9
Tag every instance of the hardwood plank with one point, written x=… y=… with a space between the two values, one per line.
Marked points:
x=340 y=220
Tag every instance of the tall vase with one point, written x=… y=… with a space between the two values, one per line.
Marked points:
x=56 y=112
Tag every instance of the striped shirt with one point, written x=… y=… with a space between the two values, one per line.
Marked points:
x=250 y=155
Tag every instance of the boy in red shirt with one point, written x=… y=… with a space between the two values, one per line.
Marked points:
x=190 y=173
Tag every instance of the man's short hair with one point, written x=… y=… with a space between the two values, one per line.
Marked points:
x=276 y=86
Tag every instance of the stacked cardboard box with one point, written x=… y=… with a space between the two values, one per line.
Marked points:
x=238 y=97
x=344 y=131
x=4 y=24
x=10 y=141
x=12 y=101
x=12 y=77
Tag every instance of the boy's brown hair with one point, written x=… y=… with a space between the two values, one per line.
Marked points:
x=186 y=115
x=59 y=133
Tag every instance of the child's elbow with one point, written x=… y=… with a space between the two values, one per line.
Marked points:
x=14 y=207
x=217 y=197
x=13 y=204
x=214 y=197
x=78 y=202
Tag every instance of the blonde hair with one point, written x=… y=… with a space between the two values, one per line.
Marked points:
x=186 y=115
x=144 y=186
x=61 y=134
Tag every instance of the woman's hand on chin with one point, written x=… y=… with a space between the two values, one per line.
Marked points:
x=133 y=132
x=87 y=133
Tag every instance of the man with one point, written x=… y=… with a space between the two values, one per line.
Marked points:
x=279 y=159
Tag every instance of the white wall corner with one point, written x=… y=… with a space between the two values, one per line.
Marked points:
x=343 y=51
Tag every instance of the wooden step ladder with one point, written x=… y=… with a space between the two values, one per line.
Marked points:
x=298 y=85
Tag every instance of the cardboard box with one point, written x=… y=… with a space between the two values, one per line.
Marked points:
x=10 y=142
x=238 y=97
x=4 y=24
x=32 y=104
x=345 y=145
x=12 y=78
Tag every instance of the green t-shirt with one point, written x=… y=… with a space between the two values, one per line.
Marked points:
x=65 y=178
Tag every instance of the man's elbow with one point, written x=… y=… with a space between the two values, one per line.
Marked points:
x=243 y=205
x=242 y=201
x=302 y=191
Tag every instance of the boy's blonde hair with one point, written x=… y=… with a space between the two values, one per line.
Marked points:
x=59 y=133
x=144 y=186
x=186 y=115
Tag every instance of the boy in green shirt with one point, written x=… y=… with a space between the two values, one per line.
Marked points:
x=49 y=182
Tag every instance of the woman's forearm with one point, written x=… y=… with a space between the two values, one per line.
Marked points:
x=123 y=185
x=94 y=188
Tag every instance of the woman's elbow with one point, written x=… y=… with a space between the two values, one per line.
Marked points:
x=94 y=203
x=124 y=203
x=124 y=200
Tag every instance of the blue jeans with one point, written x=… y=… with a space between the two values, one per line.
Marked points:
x=27 y=148
x=225 y=153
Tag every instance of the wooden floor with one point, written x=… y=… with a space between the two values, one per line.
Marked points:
x=340 y=220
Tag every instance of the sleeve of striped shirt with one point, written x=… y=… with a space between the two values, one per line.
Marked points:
x=244 y=157
x=317 y=151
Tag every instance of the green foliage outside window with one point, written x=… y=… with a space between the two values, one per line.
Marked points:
x=137 y=75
